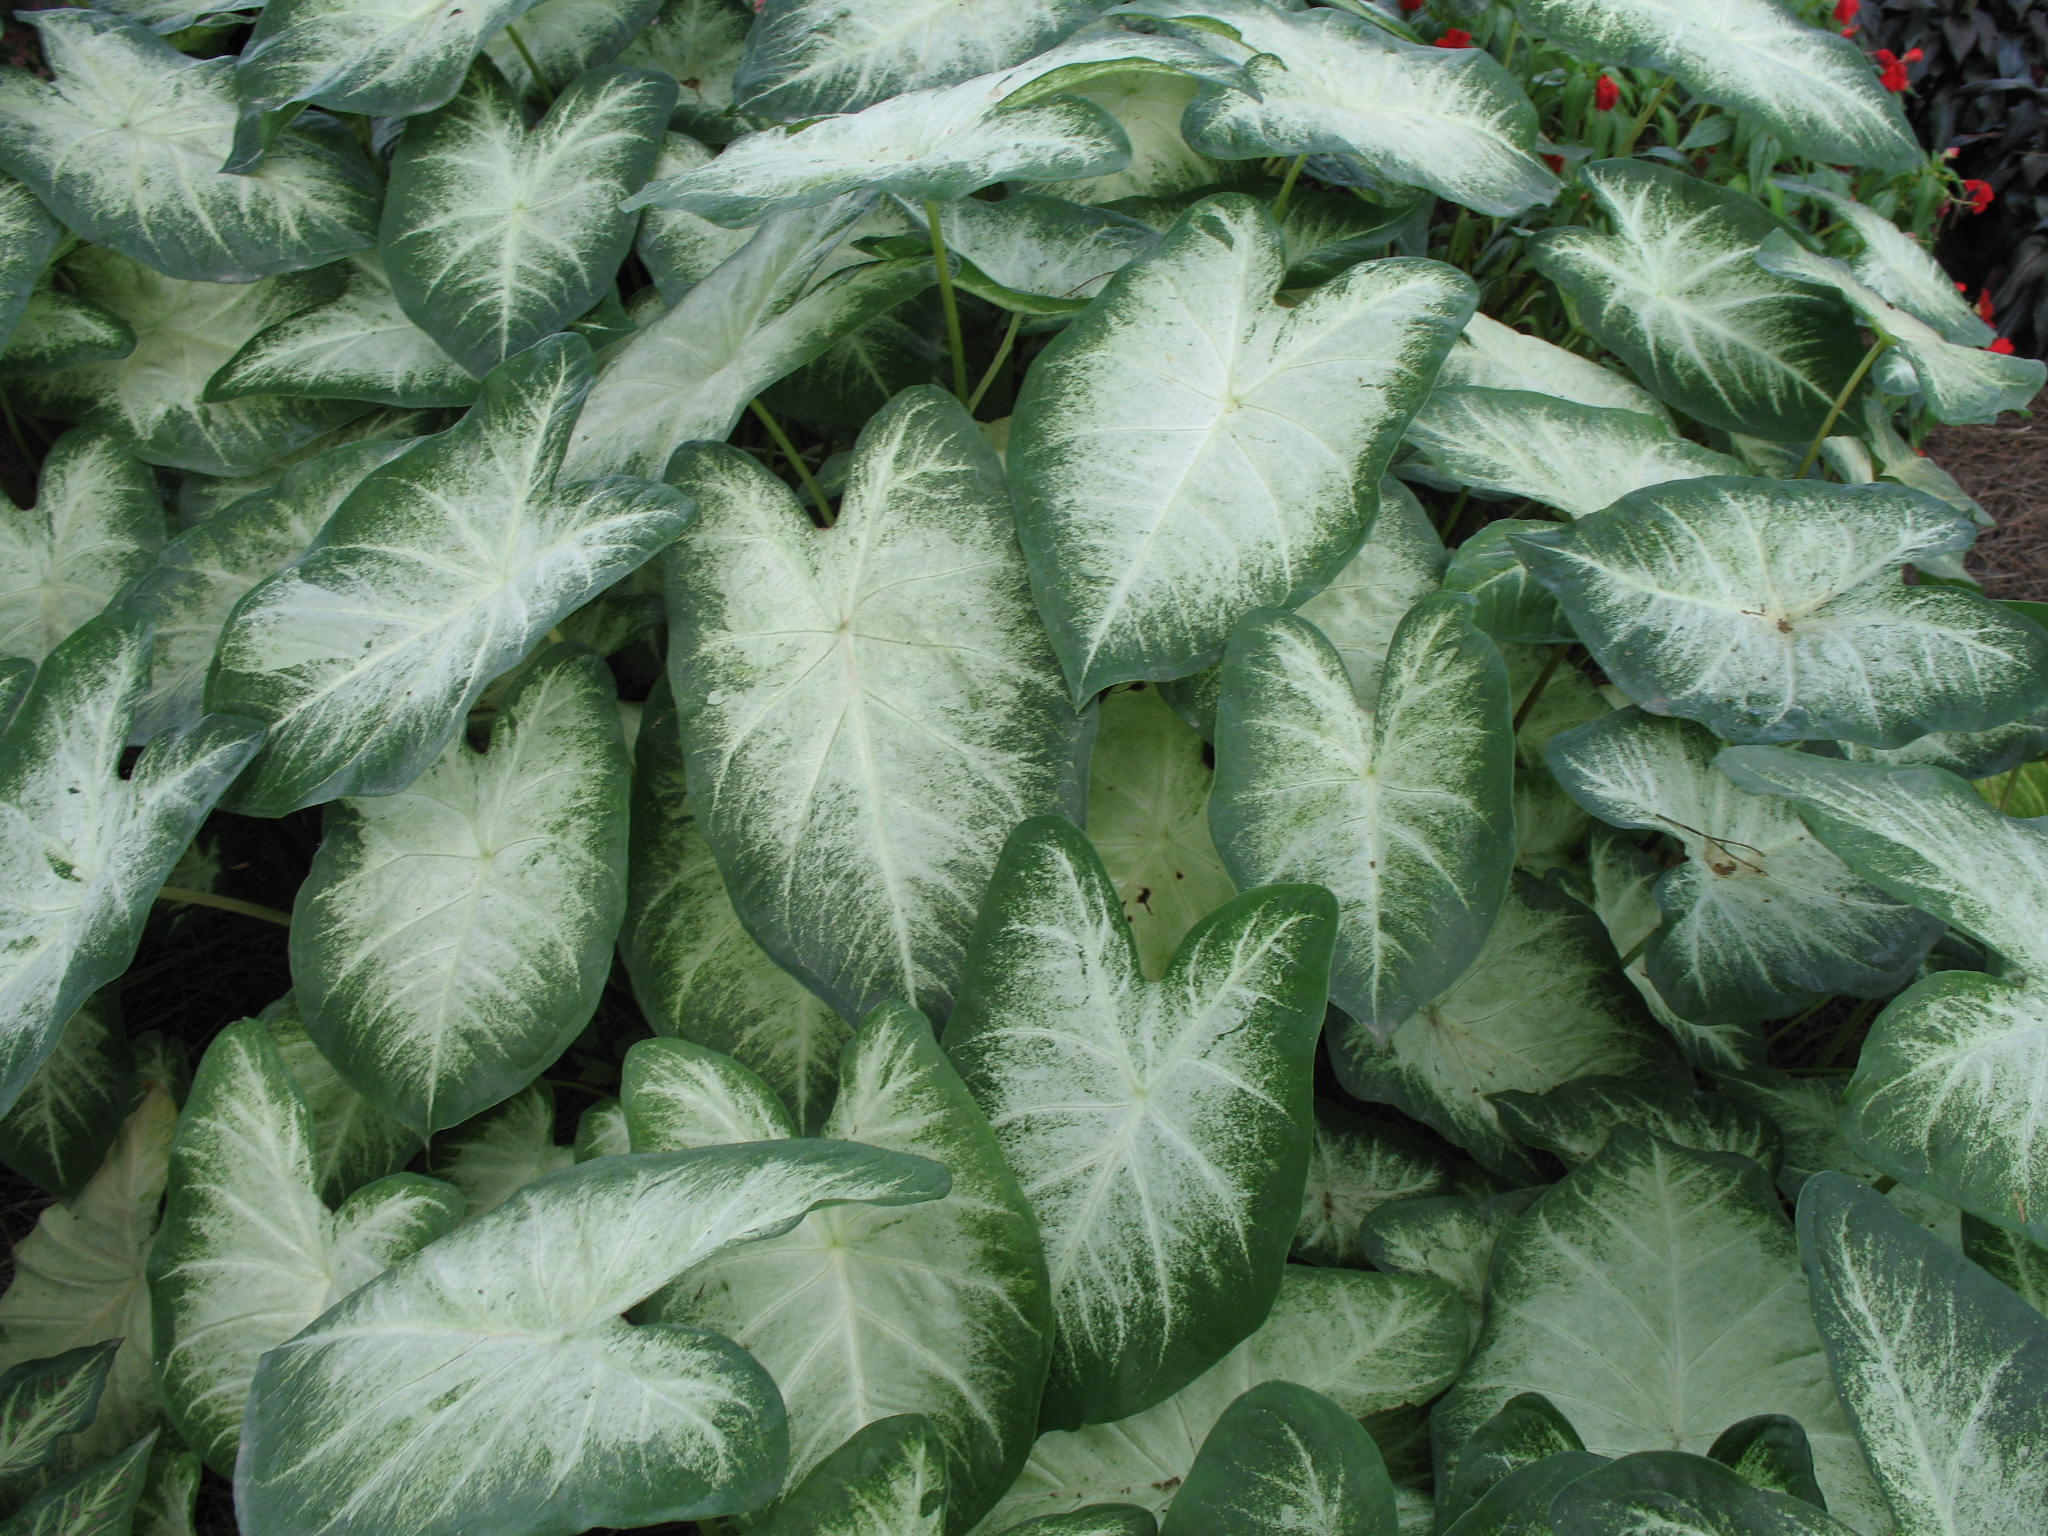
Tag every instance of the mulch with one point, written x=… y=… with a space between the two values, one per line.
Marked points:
x=2005 y=467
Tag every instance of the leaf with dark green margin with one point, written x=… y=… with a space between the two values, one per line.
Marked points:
x=1575 y=1120
x=28 y=239
x=437 y=573
x=888 y=1479
x=700 y=43
x=354 y=1142
x=1030 y=254
x=1770 y=1451
x=1519 y=1505
x=1188 y=450
x=565 y=38
x=496 y=234
x=1284 y=1460
x=1403 y=811
x=503 y=1150
x=481 y=1404
x=96 y=523
x=2010 y=1259
x=125 y=145
x=1514 y=607
x=1159 y=1129
x=98 y=1500
x=41 y=1401
x=1527 y=1430
x=1356 y=1165
x=1091 y=1520
x=1676 y=294
x=1675 y=1494
x=677 y=1095
x=895 y=657
x=1445 y=1237
x=58 y=330
x=61 y=1125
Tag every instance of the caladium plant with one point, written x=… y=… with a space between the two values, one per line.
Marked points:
x=1185 y=768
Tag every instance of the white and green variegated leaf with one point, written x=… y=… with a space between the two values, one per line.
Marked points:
x=96 y=523
x=696 y=971
x=863 y=370
x=453 y=937
x=1528 y=1430
x=1489 y=355
x=357 y=345
x=1149 y=105
x=249 y=1253
x=1512 y=605
x=1444 y=1237
x=681 y=249
x=1090 y=1520
x=677 y=1095
x=79 y=1280
x=98 y=1500
x=1777 y=611
x=1761 y=919
x=60 y=1127
x=1355 y=1166
x=1967 y=754
x=1370 y=1343
x=1576 y=458
x=42 y=1401
x=482 y=1404
x=125 y=144
x=1960 y=383
x=1675 y=1494
x=2016 y=1263
x=1402 y=810
x=1188 y=450
x=861 y=1312
x=1897 y=268
x=199 y=576
x=437 y=572
x=1675 y=292
x=170 y=1495
x=1940 y=1366
x=1284 y=1460
x=1814 y=90
x=1949 y=1090
x=1159 y=1129
x=28 y=239
x=764 y=312
x=354 y=1142
x=495 y=234
x=805 y=58
x=1320 y=82
x=1656 y=1295
x=58 y=330
x=897 y=658
x=1540 y=1006
x=153 y=398
x=88 y=847
x=565 y=38
x=701 y=44
x=504 y=1149
x=1574 y=1121
x=1148 y=816
x=888 y=1479
x=601 y=1131
x=1034 y=255
x=1770 y=1452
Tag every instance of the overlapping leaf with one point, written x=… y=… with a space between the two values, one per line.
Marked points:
x=61 y=1125
x=1284 y=1461
x=95 y=524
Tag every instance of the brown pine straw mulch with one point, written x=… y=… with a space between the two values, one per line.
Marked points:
x=2005 y=466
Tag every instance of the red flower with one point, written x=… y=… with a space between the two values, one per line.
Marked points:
x=1455 y=37
x=1412 y=6
x=1606 y=94
x=1556 y=164
x=2002 y=347
x=1845 y=11
x=1984 y=305
x=1979 y=194
x=1892 y=68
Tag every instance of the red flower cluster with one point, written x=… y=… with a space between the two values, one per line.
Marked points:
x=1412 y=6
x=1455 y=37
x=1979 y=193
x=1845 y=13
x=1984 y=305
x=1606 y=94
x=1892 y=68
x=1556 y=164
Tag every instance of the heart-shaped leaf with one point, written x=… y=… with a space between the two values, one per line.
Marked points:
x=1284 y=1461
x=1189 y=450
x=96 y=523
x=1575 y=1121
x=1160 y=1129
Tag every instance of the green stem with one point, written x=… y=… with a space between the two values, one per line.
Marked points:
x=1451 y=518
x=995 y=363
x=947 y=301
x=1636 y=949
x=796 y=461
x=1507 y=54
x=1636 y=128
x=2005 y=789
x=1287 y=187
x=540 y=82
x=1858 y=1018
x=1536 y=688
x=1841 y=403
x=225 y=904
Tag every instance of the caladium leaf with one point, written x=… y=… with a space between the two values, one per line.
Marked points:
x=1170 y=482
x=565 y=38
x=1489 y=355
x=1676 y=1494
x=1512 y=605
x=88 y=847
x=1403 y=810
x=60 y=1128
x=96 y=523
x=1355 y=1166
x=452 y=938
x=1776 y=611
x=200 y=575
x=437 y=572
x=805 y=58
x=1370 y=1343
x=1444 y=1237
x=1528 y=1429
x=125 y=145
x=495 y=234
x=1159 y=1129
x=152 y=398
x=888 y=1479
x=1940 y=1366
x=98 y=1500
x=1900 y=271
x=898 y=658
x=677 y=1095
x=1030 y=254
x=41 y=1401
x=1656 y=1291
x=1576 y=458
x=1770 y=1451
x=1320 y=82
x=503 y=1150
x=357 y=345
x=1960 y=383
x=1675 y=292
x=58 y=331
x=860 y=1311
x=2019 y=1265
x=1148 y=816
x=700 y=43
x=1093 y=1520
x=1761 y=919
x=1149 y=106
x=763 y=313
x=1949 y=1086
x=681 y=249
x=696 y=971
x=1575 y=1120
x=354 y=1142
x=1284 y=1461
x=249 y=1253
x=28 y=239
x=78 y=1280
x=1814 y=90
x=545 y=1412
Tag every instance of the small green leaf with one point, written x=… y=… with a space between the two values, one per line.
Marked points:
x=1770 y=1451
x=1528 y=1430
x=98 y=1500
x=1284 y=1461
x=28 y=239
x=41 y=1401
x=888 y=1479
